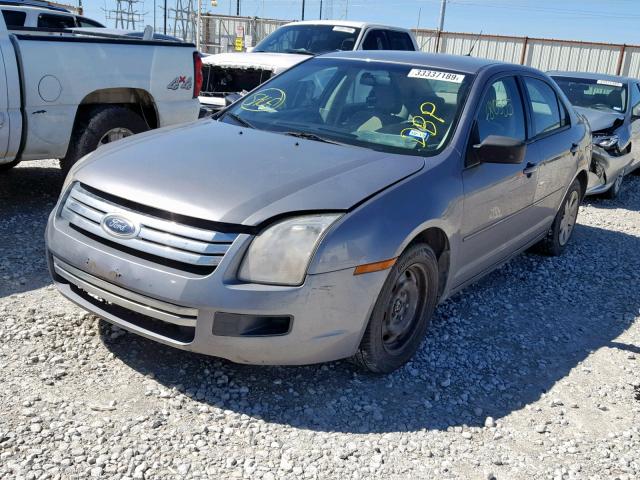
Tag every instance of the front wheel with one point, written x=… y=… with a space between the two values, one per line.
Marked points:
x=402 y=312
x=562 y=227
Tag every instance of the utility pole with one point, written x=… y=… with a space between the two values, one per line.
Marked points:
x=443 y=8
x=320 y=17
x=237 y=8
x=302 y=9
x=165 y=17
x=198 y=25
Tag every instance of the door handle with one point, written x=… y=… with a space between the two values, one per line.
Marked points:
x=574 y=148
x=530 y=169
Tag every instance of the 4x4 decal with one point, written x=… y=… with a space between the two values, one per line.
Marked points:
x=184 y=82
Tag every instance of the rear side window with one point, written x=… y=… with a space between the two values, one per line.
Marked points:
x=13 y=18
x=501 y=112
x=376 y=40
x=399 y=41
x=545 y=107
x=47 y=20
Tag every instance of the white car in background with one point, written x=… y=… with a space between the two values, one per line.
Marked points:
x=34 y=14
x=230 y=74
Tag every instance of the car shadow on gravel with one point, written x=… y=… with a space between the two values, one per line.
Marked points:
x=491 y=350
x=27 y=195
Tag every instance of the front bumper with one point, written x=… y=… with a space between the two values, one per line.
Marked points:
x=329 y=312
x=605 y=168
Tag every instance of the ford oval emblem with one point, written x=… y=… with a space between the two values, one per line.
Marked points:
x=119 y=226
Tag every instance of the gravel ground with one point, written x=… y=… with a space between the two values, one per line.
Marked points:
x=532 y=373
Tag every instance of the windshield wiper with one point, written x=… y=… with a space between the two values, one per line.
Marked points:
x=238 y=119
x=310 y=136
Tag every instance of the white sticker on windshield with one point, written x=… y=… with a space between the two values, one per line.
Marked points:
x=344 y=29
x=610 y=83
x=436 y=75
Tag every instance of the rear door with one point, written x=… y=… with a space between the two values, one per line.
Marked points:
x=557 y=144
x=497 y=218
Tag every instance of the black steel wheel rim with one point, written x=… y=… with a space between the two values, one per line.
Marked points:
x=404 y=309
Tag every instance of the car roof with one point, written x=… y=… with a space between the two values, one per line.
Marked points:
x=344 y=23
x=591 y=76
x=31 y=8
x=458 y=63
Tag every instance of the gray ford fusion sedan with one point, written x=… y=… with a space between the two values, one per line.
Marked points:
x=325 y=214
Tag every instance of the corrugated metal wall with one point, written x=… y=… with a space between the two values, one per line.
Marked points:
x=219 y=32
x=545 y=54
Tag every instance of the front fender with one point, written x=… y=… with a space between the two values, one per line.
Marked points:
x=382 y=227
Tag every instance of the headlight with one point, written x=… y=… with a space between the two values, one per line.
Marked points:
x=607 y=141
x=281 y=254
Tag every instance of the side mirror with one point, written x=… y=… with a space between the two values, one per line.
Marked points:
x=498 y=149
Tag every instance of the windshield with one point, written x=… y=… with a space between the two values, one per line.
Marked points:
x=592 y=93
x=309 y=39
x=389 y=107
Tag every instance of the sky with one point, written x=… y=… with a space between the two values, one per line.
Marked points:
x=612 y=21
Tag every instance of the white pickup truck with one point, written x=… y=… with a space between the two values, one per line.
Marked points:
x=62 y=96
x=228 y=74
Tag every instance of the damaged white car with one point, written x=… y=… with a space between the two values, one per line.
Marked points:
x=228 y=75
x=611 y=104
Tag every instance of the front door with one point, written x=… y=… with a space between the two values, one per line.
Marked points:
x=497 y=197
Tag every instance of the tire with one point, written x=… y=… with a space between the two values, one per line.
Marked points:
x=411 y=292
x=5 y=167
x=614 y=191
x=101 y=125
x=558 y=237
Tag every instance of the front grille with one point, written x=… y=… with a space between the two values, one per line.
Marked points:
x=220 y=80
x=155 y=238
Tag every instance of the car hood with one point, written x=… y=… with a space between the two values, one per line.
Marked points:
x=276 y=62
x=599 y=119
x=219 y=172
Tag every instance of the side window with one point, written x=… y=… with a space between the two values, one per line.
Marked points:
x=501 y=112
x=635 y=99
x=399 y=41
x=375 y=40
x=13 y=18
x=47 y=20
x=544 y=106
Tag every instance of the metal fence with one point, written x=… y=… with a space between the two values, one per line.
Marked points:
x=220 y=34
x=541 y=53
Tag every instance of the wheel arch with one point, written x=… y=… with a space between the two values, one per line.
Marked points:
x=136 y=99
x=439 y=242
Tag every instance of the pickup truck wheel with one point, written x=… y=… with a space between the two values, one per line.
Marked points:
x=402 y=312
x=562 y=227
x=8 y=166
x=103 y=124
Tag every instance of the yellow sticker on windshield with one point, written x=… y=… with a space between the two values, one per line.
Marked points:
x=267 y=100
x=421 y=128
